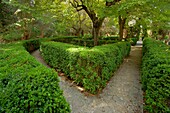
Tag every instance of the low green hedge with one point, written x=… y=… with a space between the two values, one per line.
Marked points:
x=32 y=45
x=110 y=37
x=83 y=42
x=26 y=85
x=156 y=76
x=90 y=43
x=91 y=68
x=132 y=41
x=65 y=39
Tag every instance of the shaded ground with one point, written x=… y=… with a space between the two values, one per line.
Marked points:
x=123 y=93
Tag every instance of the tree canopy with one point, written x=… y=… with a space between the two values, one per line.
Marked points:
x=78 y=17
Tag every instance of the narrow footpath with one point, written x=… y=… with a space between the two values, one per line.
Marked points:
x=123 y=94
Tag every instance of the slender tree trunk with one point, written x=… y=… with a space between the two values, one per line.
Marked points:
x=95 y=33
x=163 y=34
x=97 y=23
x=121 y=26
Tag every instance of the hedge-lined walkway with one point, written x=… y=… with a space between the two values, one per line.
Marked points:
x=123 y=93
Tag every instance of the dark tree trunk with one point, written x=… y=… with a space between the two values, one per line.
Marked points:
x=95 y=33
x=162 y=33
x=97 y=21
x=96 y=28
x=121 y=26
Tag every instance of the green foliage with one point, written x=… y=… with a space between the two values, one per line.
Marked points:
x=91 y=68
x=87 y=42
x=12 y=35
x=110 y=37
x=132 y=41
x=155 y=76
x=32 y=45
x=66 y=39
x=7 y=16
x=26 y=85
x=87 y=36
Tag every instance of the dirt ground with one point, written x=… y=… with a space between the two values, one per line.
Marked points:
x=123 y=94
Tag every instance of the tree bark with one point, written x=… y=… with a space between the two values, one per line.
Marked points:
x=121 y=26
x=97 y=23
x=95 y=33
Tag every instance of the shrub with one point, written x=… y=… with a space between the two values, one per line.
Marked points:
x=156 y=76
x=32 y=45
x=110 y=37
x=133 y=41
x=87 y=42
x=66 y=39
x=12 y=35
x=26 y=85
x=91 y=68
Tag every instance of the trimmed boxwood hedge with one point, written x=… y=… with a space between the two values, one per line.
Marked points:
x=26 y=85
x=133 y=41
x=91 y=68
x=34 y=44
x=84 y=42
x=156 y=76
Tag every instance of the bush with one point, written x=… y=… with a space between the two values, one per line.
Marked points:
x=132 y=41
x=87 y=42
x=156 y=76
x=91 y=68
x=32 y=45
x=66 y=39
x=12 y=35
x=110 y=38
x=26 y=85
x=90 y=43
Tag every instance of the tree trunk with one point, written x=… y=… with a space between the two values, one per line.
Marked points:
x=121 y=26
x=96 y=28
x=95 y=33
x=163 y=35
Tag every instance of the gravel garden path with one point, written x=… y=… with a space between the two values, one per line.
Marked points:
x=123 y=94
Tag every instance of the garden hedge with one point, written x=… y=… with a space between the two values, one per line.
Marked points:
x=27 y=86
x=91 y=68
x=156 y=76
x=89 y=42
x=133 y=41
x=32 y=45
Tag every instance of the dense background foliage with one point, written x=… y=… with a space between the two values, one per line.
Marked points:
x=21 y=20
